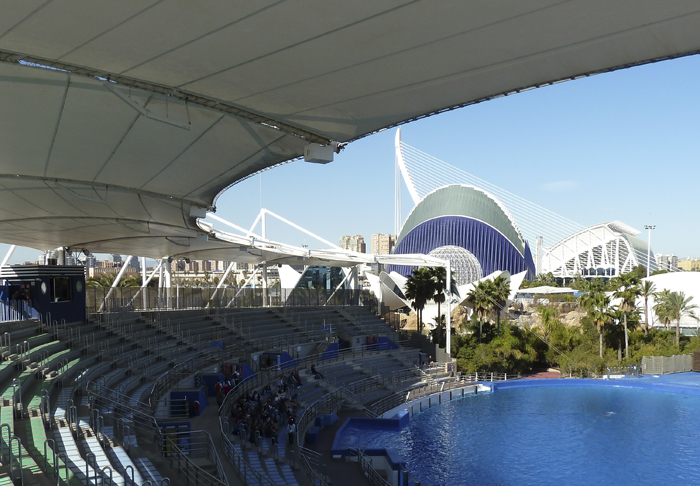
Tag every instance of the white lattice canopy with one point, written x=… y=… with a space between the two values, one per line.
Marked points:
x=464 y=265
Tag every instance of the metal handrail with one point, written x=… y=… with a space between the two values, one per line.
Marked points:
x=245 y=470
x=486 y=376
x=374 y=478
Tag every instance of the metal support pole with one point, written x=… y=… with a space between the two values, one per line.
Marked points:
x=160 y=285
x=116 y=281
x=244 y=286
x=144 y=282
x=223 y=279
x=168 y=284
x=264 y=268
x=649 y=227
x=9 y=253
x=448 y=317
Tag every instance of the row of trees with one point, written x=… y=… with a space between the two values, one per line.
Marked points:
x=426 y=284
x=486 y=345
x=669 y=306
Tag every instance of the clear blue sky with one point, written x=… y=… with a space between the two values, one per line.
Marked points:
x=617 y=146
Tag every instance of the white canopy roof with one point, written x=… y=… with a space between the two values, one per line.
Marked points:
x=546 y=290
x=156 y=106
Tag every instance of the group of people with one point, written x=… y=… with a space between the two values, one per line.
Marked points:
x=227 y=382
x=263 y=412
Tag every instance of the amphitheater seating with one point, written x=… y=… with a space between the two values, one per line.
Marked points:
x=54 y=355
x=143 y=347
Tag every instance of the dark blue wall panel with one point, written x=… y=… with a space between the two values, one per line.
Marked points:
x=493 y=250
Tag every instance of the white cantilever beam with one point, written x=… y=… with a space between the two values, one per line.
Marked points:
x=244 y=286
x=221 y=282
x=8 y=255
x=296 y=226
x=234 y=226
x=116 y=281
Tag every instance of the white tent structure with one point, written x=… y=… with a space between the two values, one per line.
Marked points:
x=686 y=282
x=122 y=122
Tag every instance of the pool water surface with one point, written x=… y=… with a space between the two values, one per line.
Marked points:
x=540 y=435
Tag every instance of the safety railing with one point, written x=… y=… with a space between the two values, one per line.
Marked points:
x=123 y=299
x=385 y=404
x=633 y=371
x=181 y=448
x=266 y=377
x=173 y=377
x=486 y=376
x=327 y=404
x=372 y=475
x=244 y=469
x=311 y=471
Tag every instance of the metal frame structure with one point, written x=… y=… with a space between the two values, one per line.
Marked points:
x=605 y=250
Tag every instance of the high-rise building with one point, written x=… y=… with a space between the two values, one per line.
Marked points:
x=353 y=243
x=667 y=262
x=134 y=263
x=116 y=258
x=219 y=266
x=383 y=244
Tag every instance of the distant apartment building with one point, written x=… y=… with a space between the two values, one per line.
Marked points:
x=353 y=243
x=689 y=264
x=383 y=244
x=198 y=266
x=135 y=264
x=90 y=261
x=667 y=262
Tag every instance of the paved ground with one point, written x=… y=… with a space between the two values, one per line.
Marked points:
x=542 y=375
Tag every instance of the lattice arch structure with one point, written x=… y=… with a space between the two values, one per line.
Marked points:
x=604 y=250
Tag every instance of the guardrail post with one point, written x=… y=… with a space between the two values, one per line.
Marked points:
x=46 y=456
x=12 y=462
x=2 y=443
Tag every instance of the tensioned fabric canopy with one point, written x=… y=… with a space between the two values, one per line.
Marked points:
x=151 y=108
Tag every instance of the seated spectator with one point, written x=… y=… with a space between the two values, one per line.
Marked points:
x=317 y=374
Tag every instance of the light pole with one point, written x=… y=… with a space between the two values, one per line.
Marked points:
x=649 y=227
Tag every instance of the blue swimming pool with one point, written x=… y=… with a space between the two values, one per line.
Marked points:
x=552 y=435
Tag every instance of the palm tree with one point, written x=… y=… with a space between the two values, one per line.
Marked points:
x=419 y=289
x=647 y=290
x=661 y=307
x=480 y=301
x=500 y=287
x=548 y=317
x=439 y=277
x=600 y=313
x=677 y=305
x=628 y=291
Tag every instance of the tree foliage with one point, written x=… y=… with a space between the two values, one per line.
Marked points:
x=420 y=288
